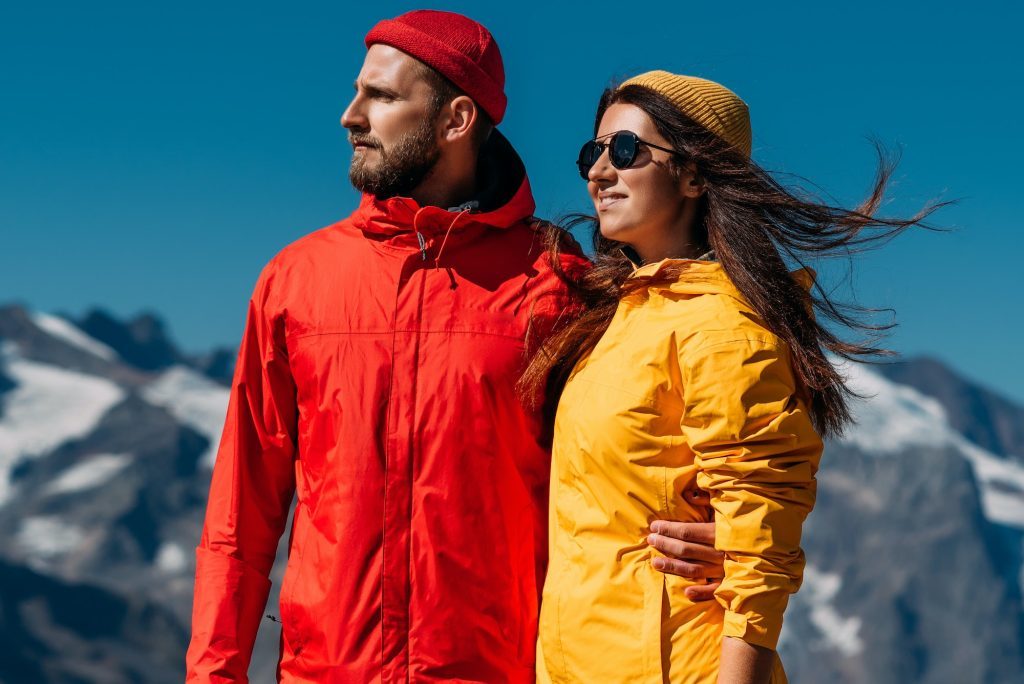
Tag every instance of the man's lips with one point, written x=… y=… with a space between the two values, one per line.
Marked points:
x=363 y=145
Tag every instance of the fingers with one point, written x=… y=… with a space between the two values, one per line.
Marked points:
x=695 y=571
x=689 y=550
x=697 y=497
x=674 y=566
x=701 y=592
x=685 y=551
x=692 y=533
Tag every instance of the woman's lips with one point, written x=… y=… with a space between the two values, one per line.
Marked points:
x=607 y=201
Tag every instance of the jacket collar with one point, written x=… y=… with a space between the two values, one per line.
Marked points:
x=703 y=277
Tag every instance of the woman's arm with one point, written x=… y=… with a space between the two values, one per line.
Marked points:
x=757 y=454
x=744 y=663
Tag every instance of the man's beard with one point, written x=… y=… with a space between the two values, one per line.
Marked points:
x=400 y=169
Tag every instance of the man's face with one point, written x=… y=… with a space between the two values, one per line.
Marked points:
x=391 y=123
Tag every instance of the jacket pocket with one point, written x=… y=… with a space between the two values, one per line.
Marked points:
x=650 y=627
x=550 y=657
x=290 y=628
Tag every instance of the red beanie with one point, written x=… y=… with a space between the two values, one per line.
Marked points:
x=457 y=47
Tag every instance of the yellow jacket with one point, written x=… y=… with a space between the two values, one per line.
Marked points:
x=687 y=387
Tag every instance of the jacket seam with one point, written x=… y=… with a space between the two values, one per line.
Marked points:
x=296 y=338
x=384 y=508
x=767 y=342
x=300 y=639
x=411 y=472
x=646 y=401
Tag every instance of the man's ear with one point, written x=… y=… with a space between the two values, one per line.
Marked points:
x=691 y=183
x=461 y=115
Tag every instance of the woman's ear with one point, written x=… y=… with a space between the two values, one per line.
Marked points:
x=691 y=184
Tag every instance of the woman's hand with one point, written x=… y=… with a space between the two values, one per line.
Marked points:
x=689 y=549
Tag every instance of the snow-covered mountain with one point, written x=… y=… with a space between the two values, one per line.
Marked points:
x=107 y=434
x=104 y=469
x=915 y=545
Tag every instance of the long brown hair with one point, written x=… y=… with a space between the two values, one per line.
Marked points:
x=754 y=225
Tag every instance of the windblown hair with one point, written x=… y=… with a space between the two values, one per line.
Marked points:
x=754 y=225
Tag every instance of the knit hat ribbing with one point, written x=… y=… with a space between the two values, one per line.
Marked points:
x=710 y=104
x=458 y=48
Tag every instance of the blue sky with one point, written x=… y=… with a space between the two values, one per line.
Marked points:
x=156 y=156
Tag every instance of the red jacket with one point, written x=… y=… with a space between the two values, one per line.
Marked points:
x=376 y=379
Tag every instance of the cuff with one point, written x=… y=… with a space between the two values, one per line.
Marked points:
x=754 y=629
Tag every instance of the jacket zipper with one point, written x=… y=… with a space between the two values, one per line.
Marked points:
x=423 y=245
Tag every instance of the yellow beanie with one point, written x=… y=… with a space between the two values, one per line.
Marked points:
x=713 y=106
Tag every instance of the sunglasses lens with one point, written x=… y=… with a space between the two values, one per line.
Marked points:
x=622 y=151
x=589 y=154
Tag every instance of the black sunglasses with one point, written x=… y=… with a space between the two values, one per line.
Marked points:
x=623 y=147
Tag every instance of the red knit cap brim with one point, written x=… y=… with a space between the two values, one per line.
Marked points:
x=449 y=62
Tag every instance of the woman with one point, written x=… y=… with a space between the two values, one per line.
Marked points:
x=697 y=363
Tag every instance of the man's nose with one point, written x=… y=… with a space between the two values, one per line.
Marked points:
x=353 y=117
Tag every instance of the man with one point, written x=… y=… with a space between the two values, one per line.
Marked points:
x=376 y=379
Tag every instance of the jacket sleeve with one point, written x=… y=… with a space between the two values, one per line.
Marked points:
x=250 y=494
x=757 y=454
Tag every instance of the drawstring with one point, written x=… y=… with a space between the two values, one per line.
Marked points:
x=437 y=259
x=423 y=241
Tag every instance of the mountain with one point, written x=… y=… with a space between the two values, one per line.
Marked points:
x=981 y=415
x=108 y=432
x=57 y=631
x=106 y=445
x=914 y=547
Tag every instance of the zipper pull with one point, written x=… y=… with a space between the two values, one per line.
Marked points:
x=423 y=245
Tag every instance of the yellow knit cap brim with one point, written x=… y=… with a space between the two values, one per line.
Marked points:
x=710 y=104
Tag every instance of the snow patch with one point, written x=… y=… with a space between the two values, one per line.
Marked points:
x=895 y=418
x=48 y=407
x=891 y=417
x=90 y=473
x=1002 y=484
x=67 y=332
x=171 y=558
x=193 y=399
x=838 y=633
x=45 y=538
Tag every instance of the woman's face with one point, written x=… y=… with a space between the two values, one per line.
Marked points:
x=646 y=206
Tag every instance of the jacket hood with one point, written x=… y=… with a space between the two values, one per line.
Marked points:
x=503 y=200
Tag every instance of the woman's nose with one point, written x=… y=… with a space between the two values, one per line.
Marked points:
x=602 y=168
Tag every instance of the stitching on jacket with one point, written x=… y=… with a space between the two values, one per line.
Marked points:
x=767 y=342
x=384 y=508
x=414 y=443
x=296 y=338
x=647 y=401
x=300 y=639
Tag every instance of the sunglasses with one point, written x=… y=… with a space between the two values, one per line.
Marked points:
x=623 y=147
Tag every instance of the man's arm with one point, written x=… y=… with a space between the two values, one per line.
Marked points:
x=250 y=494
x=689 y=550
